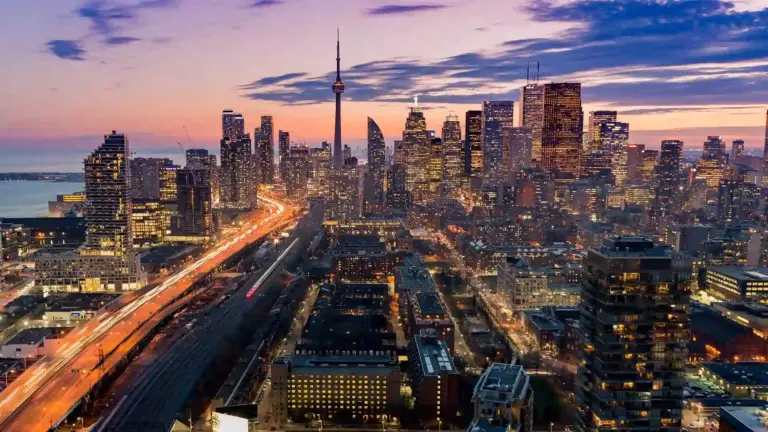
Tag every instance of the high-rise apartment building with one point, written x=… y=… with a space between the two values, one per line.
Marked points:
x=635 y=331
x=107 y=260
x=168 y=172
x=145 y=177
x=532 y=115
x=517 y=151
x=376 y=167
x=435 y=169
x=195 y=203
x=737 y=148
x=635 y=162
x=284 y=146
x=614 y=138
x=319 y=170
x=416 y=145
x=497 y=116
x=197 y=157
x=398 y=196
x=473 y=144
x=562 y=128
x=452 y=160
x=668 y=174
x=297 y=172
x=239 y=179
x=596 y=119
x=344 y=201
x=265 y=150
x=765 y=153
x=232 y=125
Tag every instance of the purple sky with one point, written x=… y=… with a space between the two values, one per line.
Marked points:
x=74 y=70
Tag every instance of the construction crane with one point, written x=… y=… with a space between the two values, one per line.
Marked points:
x=195 y=170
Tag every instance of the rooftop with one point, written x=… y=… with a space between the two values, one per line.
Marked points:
x=429 y=303
x=744 y=418
x=34 y=336
x=342 y=361
x=433 y=355
x=502 y=382
x=542 y=321
x=748 y=274
x=414 y=279
x=740 y=374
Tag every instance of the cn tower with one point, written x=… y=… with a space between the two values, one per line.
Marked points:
x=338 y=89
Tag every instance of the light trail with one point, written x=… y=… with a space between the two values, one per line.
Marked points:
x=111 y=328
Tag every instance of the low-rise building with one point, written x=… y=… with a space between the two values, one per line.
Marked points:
x=738 y=379
x=743 y=419
x=503 y=397
x=33 y=342
x=427 y=311
x=737 y=283
x=75 y=306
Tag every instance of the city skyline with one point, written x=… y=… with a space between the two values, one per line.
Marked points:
x=105 y=52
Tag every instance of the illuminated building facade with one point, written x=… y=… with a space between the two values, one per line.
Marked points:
x=319 y=171
x=517 y=150
x=296 y=168
x=635 y=332
x=376 y=166
x=635 y=162
x=452 y=160
x=435 y=382
x=107 y=260
x=197 y=157
x=264 y=140
x=232 y=125
x=737 y=201
x=614 y=137
x=473 y=144
x=435 y=169
x=668 y=174
x=427 y=311
x=562 y=128
x=239 y=179
x=148 y=222
x=596 y=120
x=497 y=116
x=284 y=146
x=168 y=191
x=343 y=201
x=737 y=148
x=523 y=287
x=532 y=116
x=416 y=154
x=398 y=196
x=650 y=161
x=66 y=204
x=195 y=203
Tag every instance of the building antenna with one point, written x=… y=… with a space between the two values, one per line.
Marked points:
x=538 y=68
x=528 y=74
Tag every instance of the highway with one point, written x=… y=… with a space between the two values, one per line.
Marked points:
x=43 y=395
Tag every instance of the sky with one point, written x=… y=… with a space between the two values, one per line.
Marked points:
x=73 y=70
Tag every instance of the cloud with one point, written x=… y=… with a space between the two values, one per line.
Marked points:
x=266 y=3
x=624 y=52
x=108 y=18
x=66 y=49
x=393 y=9
x=120 y=40
x=272 y=80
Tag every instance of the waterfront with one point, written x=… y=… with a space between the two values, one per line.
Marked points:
x=30 y=198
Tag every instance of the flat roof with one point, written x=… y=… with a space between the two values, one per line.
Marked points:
x=342 y=361
x=745 y=274
x=745 y=418
x=415 y=278
x=34 y=336
x=502 y=378
x=740 y=374
x=429 y=303
x=542 y=321
x=434 y=356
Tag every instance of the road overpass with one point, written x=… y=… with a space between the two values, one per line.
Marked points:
x=43 y=396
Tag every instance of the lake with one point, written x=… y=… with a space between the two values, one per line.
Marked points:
x=30 y=198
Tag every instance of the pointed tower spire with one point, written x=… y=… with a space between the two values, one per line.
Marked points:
x=338 y=89
x=338 y=55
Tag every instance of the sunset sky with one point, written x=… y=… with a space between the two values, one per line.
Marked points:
x=74 y=70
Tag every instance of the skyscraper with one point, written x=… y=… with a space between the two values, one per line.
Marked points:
x=668 y=174
x=196 y=157
x=265 y=150
x=195 y=202
x=765 y=153
x=635 y=161
x=376 y=169
x=562 y=128
x=343 y=201
x=613 y=138
x=518 y=147
x=635 y=332
x=296 y=172
x=232 y=125
x=532 y=115
x=416 y=154
x=596 y=119
x=107 y=260
x=239 y=172
x=714 y=147
x=452 y=161
x=473 y=144
x=398 y=196
x=435 y=165
x=338 y=90
x=284 y=143
x=497 y=116
x=168 y=171
x=319 y=170
x=737 y=149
